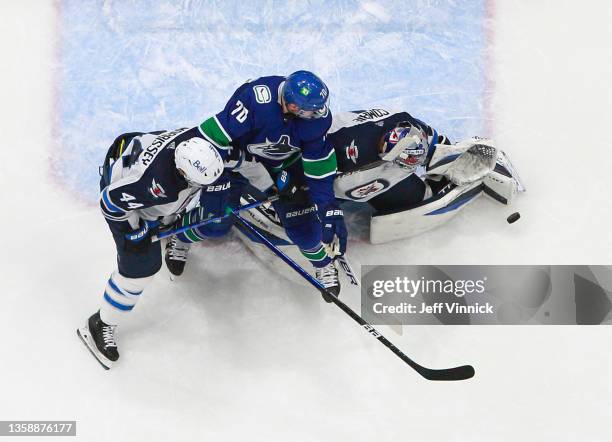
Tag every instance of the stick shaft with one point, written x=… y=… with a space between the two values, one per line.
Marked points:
x=211 y=220
x=451 y=374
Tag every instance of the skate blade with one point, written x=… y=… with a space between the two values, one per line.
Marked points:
x=83 y=333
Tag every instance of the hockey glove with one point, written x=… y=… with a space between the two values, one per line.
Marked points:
x=286 y=188
x=332 y=220
x=139 y=241
x=289 y=190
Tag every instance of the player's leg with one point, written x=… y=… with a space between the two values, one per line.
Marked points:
x=135 y=270
x=298 y=216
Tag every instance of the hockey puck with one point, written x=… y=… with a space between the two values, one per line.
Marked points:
x=513 y=218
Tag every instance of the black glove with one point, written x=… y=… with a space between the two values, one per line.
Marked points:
x=139 y=241
x=285 y=185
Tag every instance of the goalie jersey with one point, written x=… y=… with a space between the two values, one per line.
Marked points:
x=356 y=137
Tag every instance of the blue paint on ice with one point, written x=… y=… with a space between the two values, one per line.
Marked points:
x=154 y=64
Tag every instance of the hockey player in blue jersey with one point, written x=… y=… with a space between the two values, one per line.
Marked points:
x=148 y=180
x=282 y=122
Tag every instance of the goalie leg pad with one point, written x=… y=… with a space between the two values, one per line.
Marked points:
x=503 y=183
x=430 y=213
x=500 y=187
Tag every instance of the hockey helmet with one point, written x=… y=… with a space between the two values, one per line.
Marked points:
x=308 y=92
x=405 y=144
x=198 y=162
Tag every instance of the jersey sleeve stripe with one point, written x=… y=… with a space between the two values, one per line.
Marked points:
x=288 y=162
x=209 y=139
x=331 y=152
x=108 y=203
x=322 y=168
x=114 y=218
x=318 y=177
x=223 y=129
x=213 y=130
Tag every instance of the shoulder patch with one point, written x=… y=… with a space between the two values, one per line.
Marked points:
x=262 y=94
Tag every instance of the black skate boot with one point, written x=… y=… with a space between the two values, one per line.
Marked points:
x=100 y=340
x=328 y=276
x=176 y=256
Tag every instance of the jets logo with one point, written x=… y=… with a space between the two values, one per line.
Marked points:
x=352 y=152
x=274 y=150
x=367 y=189
x=157 y=190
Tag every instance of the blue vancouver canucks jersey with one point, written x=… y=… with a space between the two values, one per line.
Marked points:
x=253 y=123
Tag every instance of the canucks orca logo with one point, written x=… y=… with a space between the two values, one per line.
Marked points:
x=274 y=150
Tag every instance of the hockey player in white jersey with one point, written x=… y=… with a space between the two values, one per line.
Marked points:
x=412 y=177
x=148 y=180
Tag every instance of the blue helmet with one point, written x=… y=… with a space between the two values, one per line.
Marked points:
x=306 y=90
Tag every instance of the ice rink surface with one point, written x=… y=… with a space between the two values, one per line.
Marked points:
x=232 y=353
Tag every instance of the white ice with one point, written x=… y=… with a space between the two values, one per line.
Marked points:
x=230 y=354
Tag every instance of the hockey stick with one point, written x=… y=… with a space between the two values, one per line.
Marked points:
x=212 y=220
x=347 y=268
x=446 y=374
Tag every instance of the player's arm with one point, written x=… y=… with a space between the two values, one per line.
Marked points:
x=235 y=120
x=320 y=168
x=120 y=200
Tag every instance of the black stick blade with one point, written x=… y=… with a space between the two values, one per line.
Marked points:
x=447 y=374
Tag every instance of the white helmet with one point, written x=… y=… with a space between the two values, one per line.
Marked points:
x=199 y=162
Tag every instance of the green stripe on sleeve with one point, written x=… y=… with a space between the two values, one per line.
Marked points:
x=213 y=130
x=288 y=162
x=320 y=168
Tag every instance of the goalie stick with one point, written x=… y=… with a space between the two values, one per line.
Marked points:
x=446 y=374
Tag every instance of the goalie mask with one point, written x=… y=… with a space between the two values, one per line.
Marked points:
x=406 y=145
